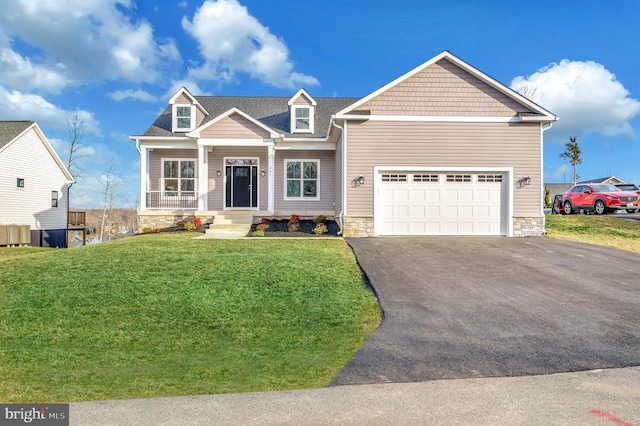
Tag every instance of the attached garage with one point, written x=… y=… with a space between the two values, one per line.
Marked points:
x=442 y=202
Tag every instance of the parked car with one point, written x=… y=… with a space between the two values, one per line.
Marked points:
x=632 y=188
x=599 y=198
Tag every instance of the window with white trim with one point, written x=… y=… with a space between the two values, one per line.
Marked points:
x=178 y=177
x=301 y=119
x=54 y=198
x=302 y=179
x=183 y=118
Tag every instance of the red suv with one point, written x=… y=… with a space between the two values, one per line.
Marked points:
x=598 y=197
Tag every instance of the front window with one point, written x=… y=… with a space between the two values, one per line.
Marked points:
x=302 y=179
x=183 y=117
x=54 y=198
x=179 y=177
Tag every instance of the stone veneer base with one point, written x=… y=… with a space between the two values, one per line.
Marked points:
x=528 y=226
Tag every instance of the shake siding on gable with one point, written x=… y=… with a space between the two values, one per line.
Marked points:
x=215 y=197
x=29 y=159
x=443 y=89
x=327 y=179
x=301 y=100
x=235 y=127
x=182 y=100
x=155 y=163
x=429 y=144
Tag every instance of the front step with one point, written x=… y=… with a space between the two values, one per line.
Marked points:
x=230 y=226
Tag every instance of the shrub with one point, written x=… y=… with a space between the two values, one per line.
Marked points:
x=294 y=223
x=181 y=224
x=262 y=227
x=258 y=233
x=320 y=219
x=146 y=230
x=189 y=226
x=197 y=222
x=155 y=230
x=320 y=228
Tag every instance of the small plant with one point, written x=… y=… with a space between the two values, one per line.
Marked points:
x=320 y=228
x=155 y=230
x=320 y=219
x=294 y=223
x=146 y=230
x=181 y=224
x=258 y=233
x=189 y=226
x=263 y=226
x=197 y=222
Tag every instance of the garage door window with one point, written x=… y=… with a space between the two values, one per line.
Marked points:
x=394 y=177
x=426 y=178
x=489 y=178
x=458 y=178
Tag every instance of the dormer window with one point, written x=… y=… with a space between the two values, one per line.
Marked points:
x=302 y=120
x=184 y=118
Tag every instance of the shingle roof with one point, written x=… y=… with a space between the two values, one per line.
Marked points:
x=601 y=180
x=271 y=111
x=10 y=129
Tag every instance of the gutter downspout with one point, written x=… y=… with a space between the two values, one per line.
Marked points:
x=344 y=170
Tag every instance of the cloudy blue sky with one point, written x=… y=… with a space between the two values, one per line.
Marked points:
x=116 y=63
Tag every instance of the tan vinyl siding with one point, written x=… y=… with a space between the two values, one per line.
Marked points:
x=235 y=127
x=155 y=163
x=199 y=117
x=443 y=89
x=215 y=196
x=427 y=144
x=327 y=179
x=29 y=159
x=182 y=100
x=302 y=100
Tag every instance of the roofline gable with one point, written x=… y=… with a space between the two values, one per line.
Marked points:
x=300 y=93
x=196 y=132
x=183 y=91
x=546 y=115
x=48 y=147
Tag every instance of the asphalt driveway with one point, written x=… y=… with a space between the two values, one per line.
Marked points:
x=487 y=307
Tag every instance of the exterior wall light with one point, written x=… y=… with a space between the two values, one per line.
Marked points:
x=361 y=180
x=262 y=173
x=219 y=172
x=526 y=180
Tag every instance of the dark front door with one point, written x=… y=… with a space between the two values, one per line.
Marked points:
x=242 y=186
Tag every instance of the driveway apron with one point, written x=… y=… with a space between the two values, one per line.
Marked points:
x=486 y=307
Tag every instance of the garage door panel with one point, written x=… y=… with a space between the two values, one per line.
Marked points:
x=443 y=204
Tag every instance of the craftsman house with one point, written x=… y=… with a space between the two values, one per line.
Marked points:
x=442 y=150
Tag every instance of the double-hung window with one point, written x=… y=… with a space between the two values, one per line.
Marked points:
x=302 y=179
x=302 y=119
x=178 y=177
x=183 y=117
x=54 y=198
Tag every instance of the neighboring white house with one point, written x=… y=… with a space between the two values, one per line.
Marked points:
x=34 y=183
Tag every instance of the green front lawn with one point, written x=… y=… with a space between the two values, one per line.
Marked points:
x=163 y=315
x=606 y=230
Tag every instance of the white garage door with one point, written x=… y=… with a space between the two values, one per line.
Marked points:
x=437 y=203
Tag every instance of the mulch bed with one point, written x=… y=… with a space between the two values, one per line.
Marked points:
x=280 y=228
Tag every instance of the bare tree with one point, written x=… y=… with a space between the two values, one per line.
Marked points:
x=111 y=185
x=76 y=132
x=529 y=91
x=573 y=153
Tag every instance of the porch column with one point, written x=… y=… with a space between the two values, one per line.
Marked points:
x=203 y=176
x=271 y=179
x=144 y=177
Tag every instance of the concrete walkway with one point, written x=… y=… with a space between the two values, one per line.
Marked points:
x=598 y=398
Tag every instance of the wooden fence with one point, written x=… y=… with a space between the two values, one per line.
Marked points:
x=15 y=235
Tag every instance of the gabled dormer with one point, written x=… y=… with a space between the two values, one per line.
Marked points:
x=302 y=108
x=186 y=111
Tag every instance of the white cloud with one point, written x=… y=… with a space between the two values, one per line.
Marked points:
x=190 y=84
x=138 y=95
x=76 y=40
x=232 y=41
x=16 y=105
x=559 y=174
x=584 y=95
x=183 y=4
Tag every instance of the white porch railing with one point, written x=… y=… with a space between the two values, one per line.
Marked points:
x=172 y=200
